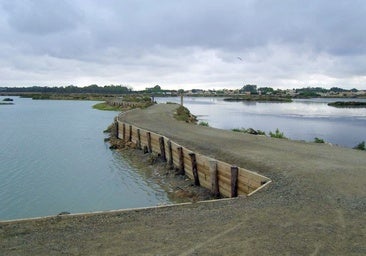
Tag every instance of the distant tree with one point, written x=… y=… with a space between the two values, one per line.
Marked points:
x=196 y=90
x=266 y=90
x=155 y=89
x=310 y=92
x=337 y=89
x=249 y=88
x=108 y=89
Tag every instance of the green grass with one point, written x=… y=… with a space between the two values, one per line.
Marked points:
x=318 y=140
x=203 y=123
x=249 y=131
x=106 y=107
x=243 y=130
x=183 y=114
x=277 y=134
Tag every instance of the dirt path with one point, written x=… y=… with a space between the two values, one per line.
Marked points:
x=315 y=205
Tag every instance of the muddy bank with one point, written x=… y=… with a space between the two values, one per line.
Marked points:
x=179 y=188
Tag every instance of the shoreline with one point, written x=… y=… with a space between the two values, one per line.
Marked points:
x=179 y=188
x=315 y=204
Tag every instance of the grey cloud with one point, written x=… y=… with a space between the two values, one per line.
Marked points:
x=194 y=42
x=229 y=25
x=41 y=17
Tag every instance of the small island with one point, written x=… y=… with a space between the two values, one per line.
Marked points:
x=348 y=104
x=260 y=98
x=7 y=101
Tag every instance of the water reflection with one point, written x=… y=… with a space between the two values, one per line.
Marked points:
x=299 y=120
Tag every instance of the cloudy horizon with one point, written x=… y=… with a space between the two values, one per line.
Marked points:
x=207 y=44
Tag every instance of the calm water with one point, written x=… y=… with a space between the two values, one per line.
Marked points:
x=299 y=120
x=53 y=159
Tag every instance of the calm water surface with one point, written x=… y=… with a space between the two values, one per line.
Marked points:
x=53 y=158
x=299 y=120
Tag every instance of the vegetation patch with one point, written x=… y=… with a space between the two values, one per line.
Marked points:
x=318 y=140
x=137 y=98
x=360 y=146
x=277 y=134
x=203 y=123
x=65 y=96
x=106 y=106
x=260 y=98
x=183 y=114
x=249 y=131
x=348 y=104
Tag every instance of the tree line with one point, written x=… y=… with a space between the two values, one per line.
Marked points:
x=107 y=89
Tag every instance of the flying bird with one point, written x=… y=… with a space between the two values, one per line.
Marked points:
x=240 y=59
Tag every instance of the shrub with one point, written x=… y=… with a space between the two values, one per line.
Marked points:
x=261 y=132
x=360 y=146
x=318 y=140
x=277 y=134
x=250 y=131
x=239 y=130
x=183 y=114
x=202 y=123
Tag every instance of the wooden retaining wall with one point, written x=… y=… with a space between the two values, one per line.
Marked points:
x=220 y=177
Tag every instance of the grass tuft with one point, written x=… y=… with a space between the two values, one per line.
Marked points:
x=277 y=134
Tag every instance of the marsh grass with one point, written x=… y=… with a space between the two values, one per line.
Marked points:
x=203 y=123
x=106 y=107
x=277 y=134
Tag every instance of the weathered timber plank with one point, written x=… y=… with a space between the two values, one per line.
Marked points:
x=234 y=181
x=214 y=179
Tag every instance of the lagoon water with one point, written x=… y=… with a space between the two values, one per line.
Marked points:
x=53 y=158
x=299 y=120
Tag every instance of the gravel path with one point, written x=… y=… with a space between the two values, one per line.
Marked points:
x=315 y=205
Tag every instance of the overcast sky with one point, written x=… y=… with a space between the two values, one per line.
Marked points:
x=187 y=44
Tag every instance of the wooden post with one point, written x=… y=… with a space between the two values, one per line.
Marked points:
x=214 y=178
x=162 y=148
x=148 y=135
x=130 y=134
x=181 y=99
x=234 y=181
x=170 y=154
x=138 y=139
x=181 y=161
x=116 y=127
x=146 y=150
x=124 y=131
x=194 y=169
